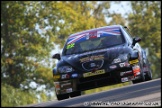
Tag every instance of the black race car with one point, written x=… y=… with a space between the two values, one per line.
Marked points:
x=99 y=57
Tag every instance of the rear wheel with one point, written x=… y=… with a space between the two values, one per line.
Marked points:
x=62 y=96
x=148 y=75
x=76 y=93
x=148 y=72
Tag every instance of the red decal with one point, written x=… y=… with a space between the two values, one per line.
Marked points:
x=93 y=34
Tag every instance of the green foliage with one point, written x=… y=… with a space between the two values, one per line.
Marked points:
x=23 y=49
x=145 y=22
x=117 y=19
x=11 y=97
x=22 y=46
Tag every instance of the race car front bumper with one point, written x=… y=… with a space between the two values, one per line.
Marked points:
x=100 y=78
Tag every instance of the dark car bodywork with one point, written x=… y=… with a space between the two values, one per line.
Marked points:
x=99 y=57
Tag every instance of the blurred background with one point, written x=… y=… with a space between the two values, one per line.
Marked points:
x=32 y=31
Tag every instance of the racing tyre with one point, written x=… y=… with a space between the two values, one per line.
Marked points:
x=148 y=75
x=74 y=94
x=62 y=96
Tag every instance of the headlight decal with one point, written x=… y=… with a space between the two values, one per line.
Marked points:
x=65 y=69
x=120 y=58
x=117 y=60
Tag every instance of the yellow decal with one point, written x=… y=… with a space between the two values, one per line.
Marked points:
x=97 y=57
x=98 y=72
x=133 y=61
x=56 y=76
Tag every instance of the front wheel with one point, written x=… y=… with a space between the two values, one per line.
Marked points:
x=76 y=93
x=62 y=96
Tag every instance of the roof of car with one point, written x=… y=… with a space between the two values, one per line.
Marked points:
x=99 y=28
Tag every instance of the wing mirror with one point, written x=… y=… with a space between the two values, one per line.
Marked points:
x=135 y=40
x=56 y=56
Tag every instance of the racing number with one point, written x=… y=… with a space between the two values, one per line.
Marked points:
x=70 y=46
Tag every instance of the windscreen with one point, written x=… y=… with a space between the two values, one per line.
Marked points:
x=93 y=40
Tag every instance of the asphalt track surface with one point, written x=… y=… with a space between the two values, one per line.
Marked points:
x=145 y=94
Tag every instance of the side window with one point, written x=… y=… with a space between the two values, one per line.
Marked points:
x=128 y=36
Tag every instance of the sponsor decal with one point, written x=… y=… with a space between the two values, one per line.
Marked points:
x=133 y=61
x=74 y=75
x=97 y=65
x=65 y=76
x=122 y=64
x=124 y=79
x=92 y=65
x=93 y=34
x=138 y=73
x=98 y=72
x=127 y=72
x=113 y=66
x=92 y=58
x=69 y=90
x=65 y=85
x=56 y=76
x=136 y=70
x=103 y=50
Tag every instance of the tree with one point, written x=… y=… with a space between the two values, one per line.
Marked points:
x=117 y=19
x=22 y=46
x=15 y=97
x=145 y=22
x=29 y=31
x=23 y=49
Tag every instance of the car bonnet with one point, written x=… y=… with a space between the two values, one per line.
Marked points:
x=84 y=61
